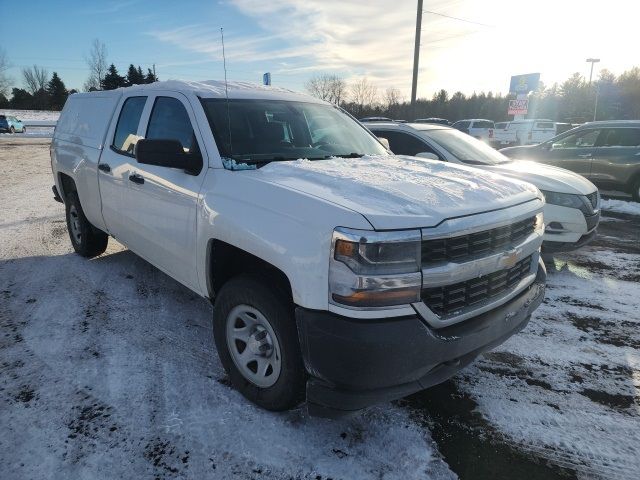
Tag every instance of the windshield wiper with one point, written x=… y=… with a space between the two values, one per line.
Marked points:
x=349 y=155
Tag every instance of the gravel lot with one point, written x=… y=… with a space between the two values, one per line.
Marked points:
x=108 y=370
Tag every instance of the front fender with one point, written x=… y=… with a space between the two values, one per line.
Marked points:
x=288 y=229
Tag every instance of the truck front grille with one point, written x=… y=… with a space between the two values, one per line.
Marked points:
x=592 y=221
x=593 y=199
x=446 y=300
x=463 y=247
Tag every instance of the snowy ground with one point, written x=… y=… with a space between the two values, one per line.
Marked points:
x=109 y=366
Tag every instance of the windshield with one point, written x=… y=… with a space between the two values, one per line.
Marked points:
x=466 y=148
x=259 y=131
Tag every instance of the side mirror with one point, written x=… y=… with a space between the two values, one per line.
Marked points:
x=168 y=153
x=427 y=155
x=384 y=142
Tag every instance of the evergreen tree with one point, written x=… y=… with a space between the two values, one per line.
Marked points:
x=150 y=78
x=112 y=79
x=135 y=76
x=57 y=92
x=21 y=99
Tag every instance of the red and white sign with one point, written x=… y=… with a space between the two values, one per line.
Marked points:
x=518 y=107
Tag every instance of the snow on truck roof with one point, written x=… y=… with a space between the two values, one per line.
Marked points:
x=215 y=89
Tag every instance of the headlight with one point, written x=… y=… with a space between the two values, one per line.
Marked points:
x=375 y=269
x=570 y=200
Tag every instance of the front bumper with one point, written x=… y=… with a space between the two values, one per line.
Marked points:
x=355 y=363
x=557 y=247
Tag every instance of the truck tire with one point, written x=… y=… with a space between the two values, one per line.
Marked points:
x=257 y=340
x=86 y=239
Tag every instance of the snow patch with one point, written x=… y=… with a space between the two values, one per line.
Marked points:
x=620 y=206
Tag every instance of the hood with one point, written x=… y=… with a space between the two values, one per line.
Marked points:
x=545 y=177
x=399 y=192
x=519 y=151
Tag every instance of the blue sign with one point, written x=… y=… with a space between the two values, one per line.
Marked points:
x=266 y=78
x=524 y=83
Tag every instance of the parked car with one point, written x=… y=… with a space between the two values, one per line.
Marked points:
x=606 y=152
x=438 y=121
x=478 y=128
x=572 y=209
x=350 y=277
x=10 y=124
x=524 y=132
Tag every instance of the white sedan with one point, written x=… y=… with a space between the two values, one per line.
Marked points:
x=572 y=210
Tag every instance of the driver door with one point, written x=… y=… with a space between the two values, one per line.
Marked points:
x=164 y=200
x=575 y=151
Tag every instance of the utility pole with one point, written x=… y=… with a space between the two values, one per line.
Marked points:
x=154 y=70
x=416 y=58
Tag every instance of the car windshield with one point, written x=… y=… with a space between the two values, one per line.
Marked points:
x=466 y=148
x=260 y=131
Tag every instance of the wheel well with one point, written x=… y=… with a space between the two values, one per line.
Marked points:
x=66 y=184
x=224 y=261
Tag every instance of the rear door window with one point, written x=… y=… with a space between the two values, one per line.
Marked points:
x=621 y=137
x=125 y=137
x=483 y=124
x=545 y=126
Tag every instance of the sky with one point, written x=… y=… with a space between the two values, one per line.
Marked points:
x=478 y=50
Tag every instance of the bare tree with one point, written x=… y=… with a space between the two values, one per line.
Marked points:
x=392 y=97
x=327 y=87
x=35 y=78
x=363 y=94
x=5 y=80
x=97 y=63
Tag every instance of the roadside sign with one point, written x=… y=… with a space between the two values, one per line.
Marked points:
x=518 y=107
x=524 y=83
x=266 y=78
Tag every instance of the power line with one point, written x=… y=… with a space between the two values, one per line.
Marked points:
x=458 y=18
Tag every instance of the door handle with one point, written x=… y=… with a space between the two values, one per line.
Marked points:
x=586 y=155
x=104 y=167
x=135 y=178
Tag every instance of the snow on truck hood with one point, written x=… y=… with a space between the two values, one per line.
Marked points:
x=545 y=177
x=400 y=192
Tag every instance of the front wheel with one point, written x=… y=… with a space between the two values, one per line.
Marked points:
x=257 y=341
x=12 y=130
x=87 y=240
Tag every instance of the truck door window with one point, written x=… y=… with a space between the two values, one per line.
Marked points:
x=125 y=138
x=170 y=121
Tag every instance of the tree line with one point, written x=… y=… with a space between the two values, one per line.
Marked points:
x=42 y=92
x=575 y=100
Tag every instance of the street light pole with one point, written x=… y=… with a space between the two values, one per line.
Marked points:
x=416 y=58
x=592 y=61
x=595 y=108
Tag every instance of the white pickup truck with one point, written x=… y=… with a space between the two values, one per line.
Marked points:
x=338 y=272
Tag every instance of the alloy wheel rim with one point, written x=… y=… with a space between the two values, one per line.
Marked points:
x=74 y=221
x=253 y=346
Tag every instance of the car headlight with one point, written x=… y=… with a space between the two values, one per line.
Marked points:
x=570 y=200
x=371 y=270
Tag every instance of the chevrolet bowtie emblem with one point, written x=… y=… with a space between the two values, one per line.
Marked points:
x=510 y=258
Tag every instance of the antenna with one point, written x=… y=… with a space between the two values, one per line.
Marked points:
x=226 y=91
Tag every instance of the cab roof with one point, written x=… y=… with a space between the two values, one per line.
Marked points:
x=214 y=89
